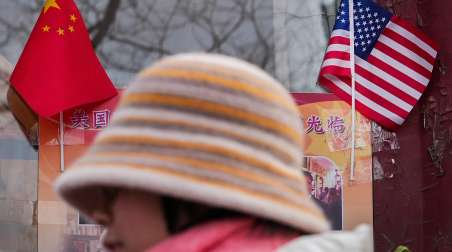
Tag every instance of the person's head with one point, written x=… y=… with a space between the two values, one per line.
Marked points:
x=334 y=194
x=309 y=181
x=198 y=128
x=134 y=219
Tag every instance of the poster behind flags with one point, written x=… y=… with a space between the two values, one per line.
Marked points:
x=326 y=148
x=61 y=228
x=327 y=145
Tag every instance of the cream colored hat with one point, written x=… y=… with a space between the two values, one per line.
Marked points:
x=205 y=128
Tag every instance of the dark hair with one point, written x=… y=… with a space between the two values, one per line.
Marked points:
x=181 y=215
x=308 y=175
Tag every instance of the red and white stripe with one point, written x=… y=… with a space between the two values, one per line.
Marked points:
x=393 y=78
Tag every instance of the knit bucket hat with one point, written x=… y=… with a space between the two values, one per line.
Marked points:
x=205 y=128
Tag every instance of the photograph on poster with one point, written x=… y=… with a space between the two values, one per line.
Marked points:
x=325 y=187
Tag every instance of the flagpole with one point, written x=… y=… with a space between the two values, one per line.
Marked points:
x=61 y=138
x=352 y=72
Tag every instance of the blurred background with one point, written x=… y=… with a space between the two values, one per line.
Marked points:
x=287 y=38
x=130 y=34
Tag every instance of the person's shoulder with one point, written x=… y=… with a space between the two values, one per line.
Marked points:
x=358 y=240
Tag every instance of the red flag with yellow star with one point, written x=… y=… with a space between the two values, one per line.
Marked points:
x=58 y=68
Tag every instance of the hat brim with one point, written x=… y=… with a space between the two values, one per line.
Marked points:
x=78 y=187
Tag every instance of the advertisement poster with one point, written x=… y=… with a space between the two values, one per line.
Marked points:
x=347 y=202
x=345 y=198
x=62 y=228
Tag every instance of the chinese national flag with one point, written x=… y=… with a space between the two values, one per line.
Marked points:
x=58 y=68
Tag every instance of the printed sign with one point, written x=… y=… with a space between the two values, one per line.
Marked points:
x=60 y=227
x=327 y=145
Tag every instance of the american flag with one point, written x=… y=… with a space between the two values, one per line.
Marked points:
x=393 y=62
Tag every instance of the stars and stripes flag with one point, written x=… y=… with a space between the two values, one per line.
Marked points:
x=393 y=62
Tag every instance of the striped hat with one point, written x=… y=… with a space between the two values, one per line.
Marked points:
x=205 y=128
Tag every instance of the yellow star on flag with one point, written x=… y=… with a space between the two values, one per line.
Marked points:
x=51 y=4
x=60 y=31
x=73 y=18
x=71 y=28
x=46 y=28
